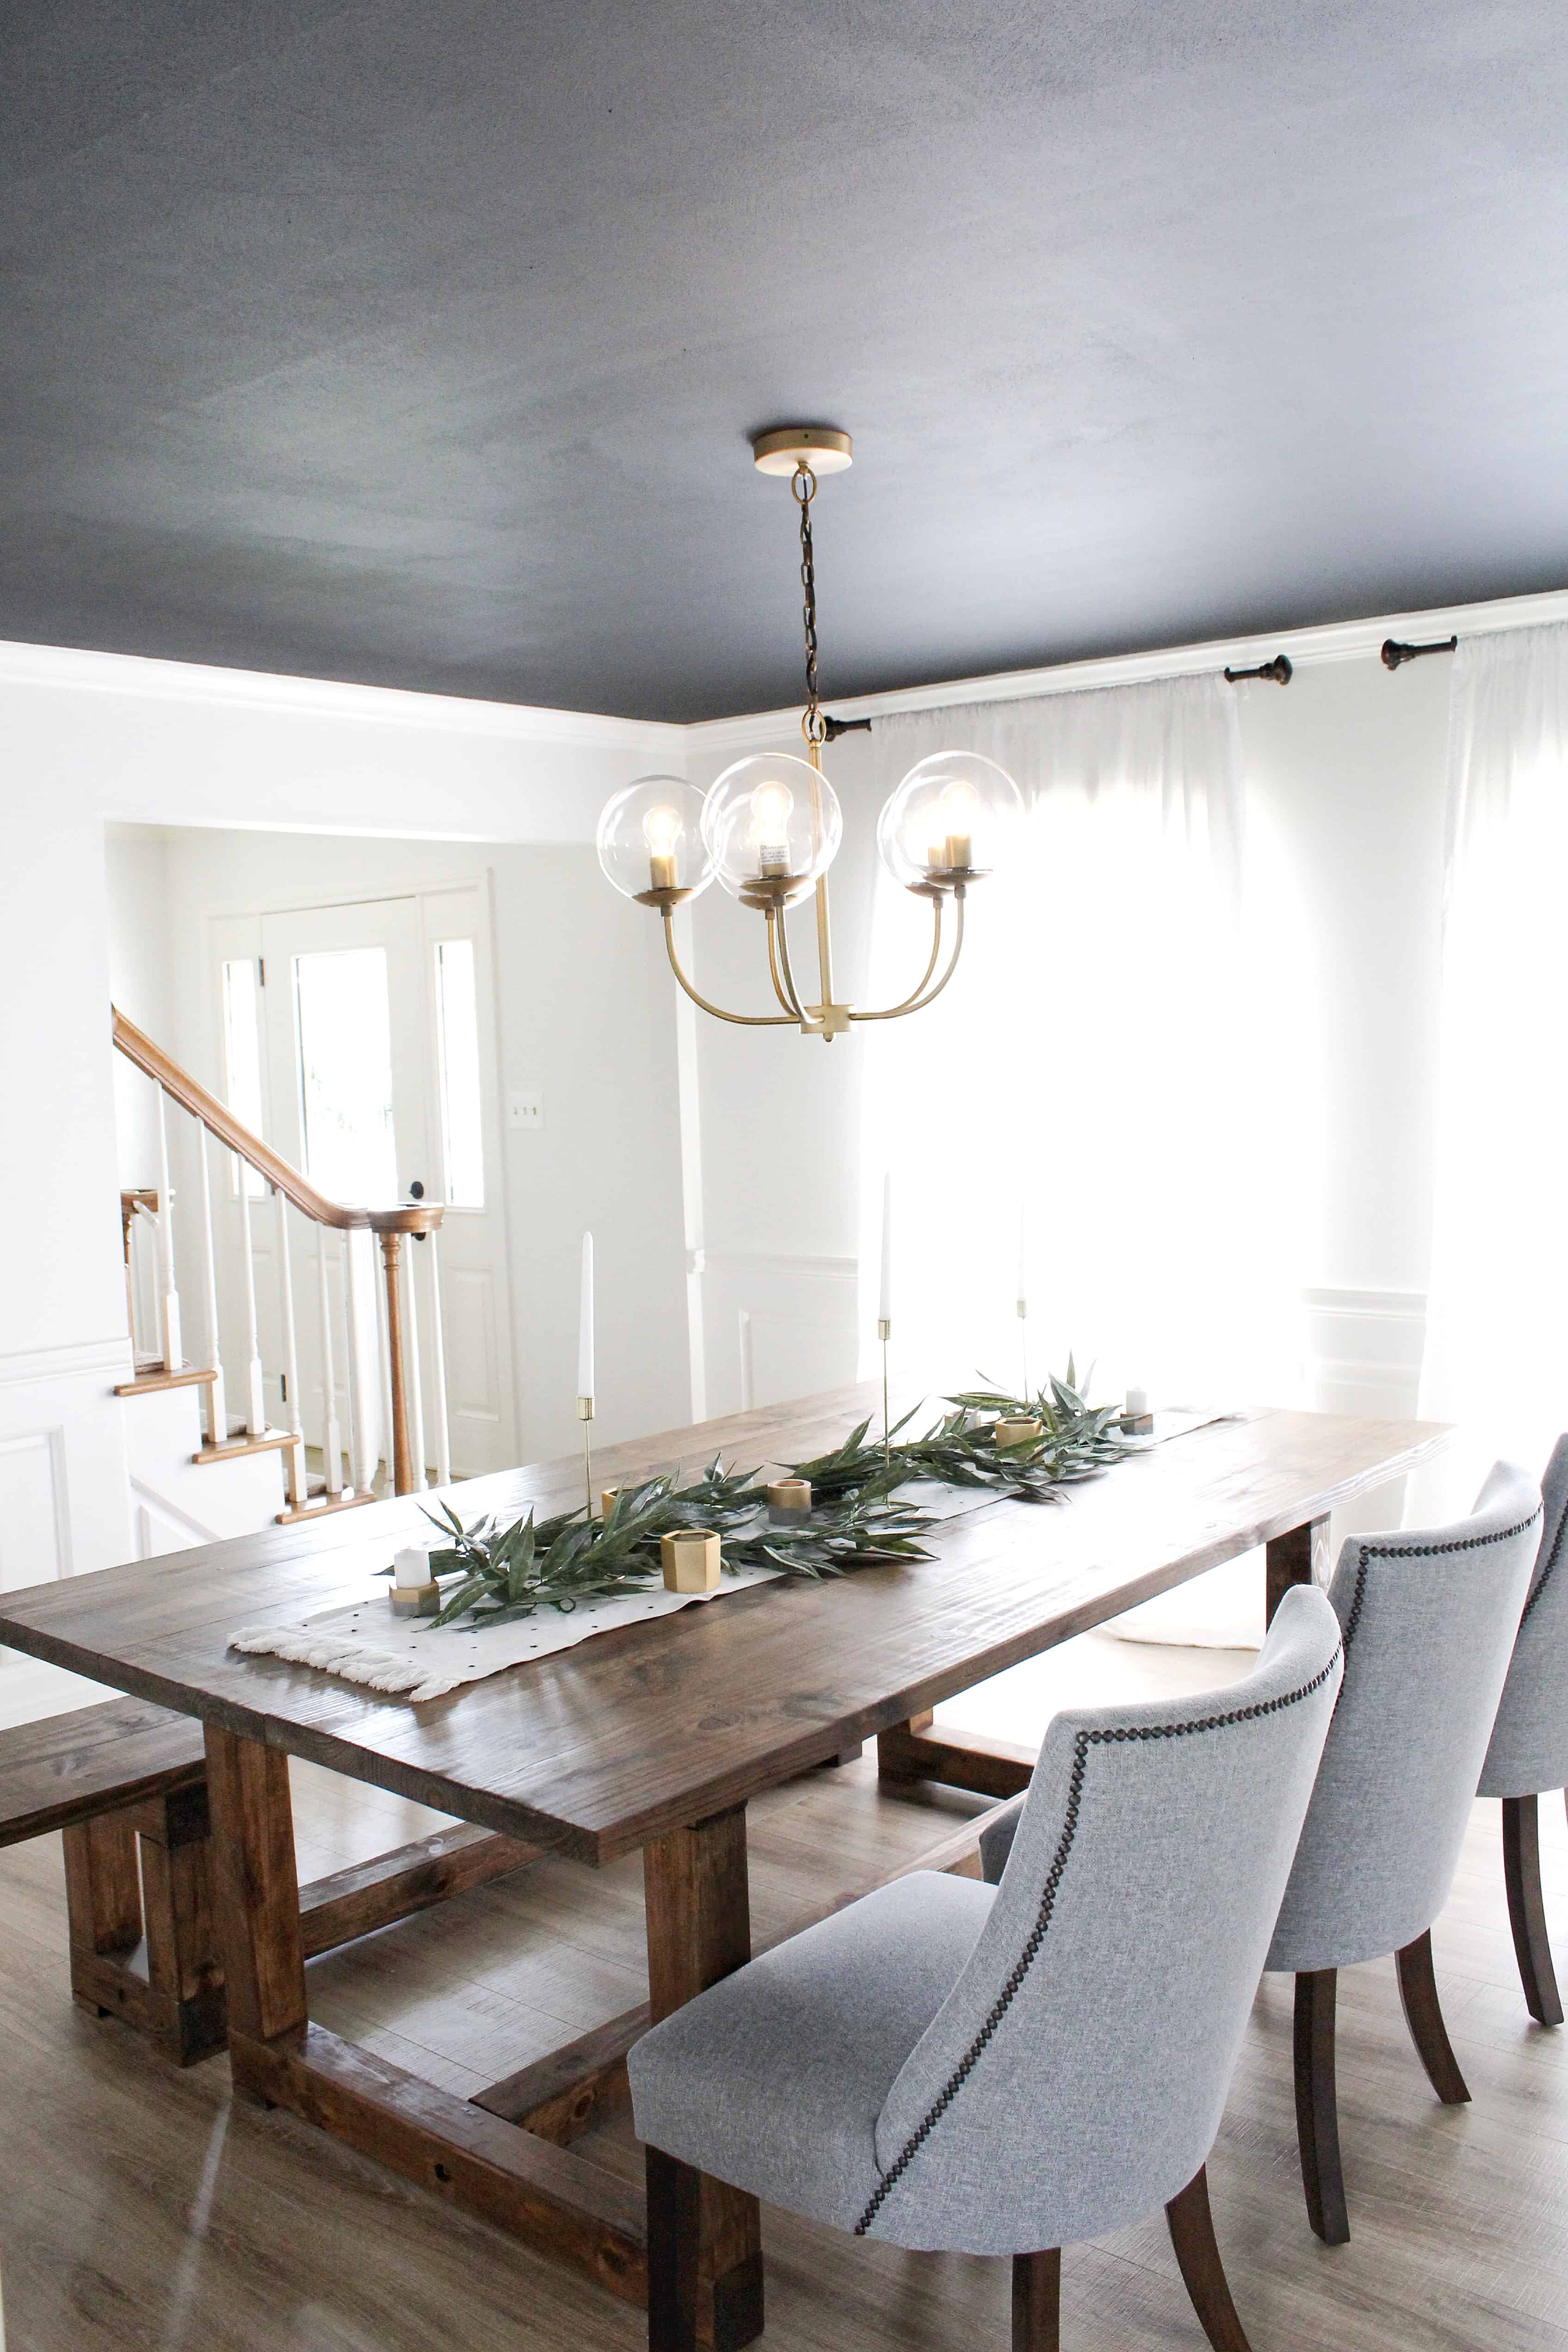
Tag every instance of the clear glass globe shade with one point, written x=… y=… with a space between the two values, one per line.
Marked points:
x=771 y=824
x=650 y=838
x=953 y=819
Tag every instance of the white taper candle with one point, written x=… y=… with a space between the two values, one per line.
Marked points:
x=1023 y=1258
x=585 y=1323
x=884 y=1311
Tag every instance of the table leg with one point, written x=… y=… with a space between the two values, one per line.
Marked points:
x=256 y=1897
x=1299 y=1557
x=699 y=1929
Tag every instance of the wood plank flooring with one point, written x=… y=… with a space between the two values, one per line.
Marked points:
x=142 y=2211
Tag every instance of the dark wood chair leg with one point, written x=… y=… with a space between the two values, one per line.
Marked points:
x=1317 y=2106
x=1037 y=2302
x=1197 y=2253
x=675 y=2215
x=1526 y=1909
x=1424 y=2016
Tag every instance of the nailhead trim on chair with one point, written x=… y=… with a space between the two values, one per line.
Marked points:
x=1084 y=1741
x=1434 y=1551
x=1546 y=1576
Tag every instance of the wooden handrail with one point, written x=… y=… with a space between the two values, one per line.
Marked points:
x=407 y=1217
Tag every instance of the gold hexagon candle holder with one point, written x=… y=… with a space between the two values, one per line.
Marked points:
x=1019 y=1430
x=690 y=1559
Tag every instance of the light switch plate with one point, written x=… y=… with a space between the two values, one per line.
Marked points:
x=526 y=1109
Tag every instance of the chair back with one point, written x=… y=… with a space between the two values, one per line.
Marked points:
x=1074 y=2077
x=1429 y=1619
x=1529 y=1748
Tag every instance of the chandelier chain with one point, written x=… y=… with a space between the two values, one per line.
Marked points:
x=804 y=486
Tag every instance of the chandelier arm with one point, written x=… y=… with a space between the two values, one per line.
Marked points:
x=909 y=1002
x=785 y=996
x=743 y=1020
x=793 y=993
x=917 y=1003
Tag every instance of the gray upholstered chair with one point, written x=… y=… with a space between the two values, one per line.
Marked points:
x=1429 y=1621
x=1529 y=1750
x=959 y=2067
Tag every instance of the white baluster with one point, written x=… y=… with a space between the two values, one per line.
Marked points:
x=383 y=1360
x=438 y=1365
x=331 y=1435
x=217 y=1404
x=415 y=1396
x=256 y=1401
x=362 y=1443
x=294 y=1457
x=169 y=1298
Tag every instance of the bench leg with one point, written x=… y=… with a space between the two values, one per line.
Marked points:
x=142 y=1942
x=103 y=1910
x=184 y=1976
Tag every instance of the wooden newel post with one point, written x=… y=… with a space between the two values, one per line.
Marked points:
x=402 y=1459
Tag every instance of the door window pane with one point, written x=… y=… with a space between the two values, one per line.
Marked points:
x=457 y=1026
x=242 y=1053
x=345 y=1075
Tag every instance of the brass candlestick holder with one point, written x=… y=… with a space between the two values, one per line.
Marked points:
x=585 y=1415
x=885 y=1333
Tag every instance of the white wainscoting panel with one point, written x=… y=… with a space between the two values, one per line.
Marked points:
x=64 y=1500
x=775 y=1326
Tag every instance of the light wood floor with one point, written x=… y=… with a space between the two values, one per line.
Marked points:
x=140 y=2210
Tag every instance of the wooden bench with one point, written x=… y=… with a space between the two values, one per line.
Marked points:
x=126 y=1785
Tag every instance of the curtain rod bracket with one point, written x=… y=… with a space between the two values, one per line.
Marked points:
x=1395 y=652
x=837 y=726
x=1280 y=670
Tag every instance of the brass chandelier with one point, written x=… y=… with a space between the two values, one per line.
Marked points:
x=770 y=826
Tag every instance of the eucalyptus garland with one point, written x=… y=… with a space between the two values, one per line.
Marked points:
x=503 y=1573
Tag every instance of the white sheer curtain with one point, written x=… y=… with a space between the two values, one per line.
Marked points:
x=1497 y=1322
x=1103 y=1067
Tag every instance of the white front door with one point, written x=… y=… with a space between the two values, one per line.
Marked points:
x=377 y=1034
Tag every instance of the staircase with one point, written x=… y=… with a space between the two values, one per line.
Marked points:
x=183 y=1426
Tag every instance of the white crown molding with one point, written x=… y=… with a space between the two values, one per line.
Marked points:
x=146 y=680
x=107 y=1360
x=1333 y=641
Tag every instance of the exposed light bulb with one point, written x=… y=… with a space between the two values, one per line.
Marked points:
x=957 y=807
x=662 y=828
x=771 y=805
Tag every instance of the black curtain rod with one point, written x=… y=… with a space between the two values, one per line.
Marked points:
x=833 y=727
x=1395 y=652
x=1279 y=670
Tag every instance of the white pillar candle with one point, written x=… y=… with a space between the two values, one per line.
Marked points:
x=411 y=1564
x=1137 y=1402
x=884 y=1311
x=585 y=1323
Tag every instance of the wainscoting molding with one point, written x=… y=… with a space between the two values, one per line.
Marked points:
x=65 y=1503
x=776 y=1326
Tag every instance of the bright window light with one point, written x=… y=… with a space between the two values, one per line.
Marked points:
x=462 y=1132
x=344 y=1029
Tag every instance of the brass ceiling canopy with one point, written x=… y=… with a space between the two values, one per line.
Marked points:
x=771 y=827
x=820 y=446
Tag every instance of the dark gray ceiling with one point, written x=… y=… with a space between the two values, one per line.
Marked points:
x=418 y=343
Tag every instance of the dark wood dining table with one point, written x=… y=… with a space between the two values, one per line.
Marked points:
x=653 y=1735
